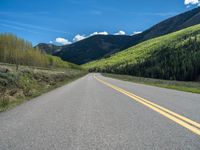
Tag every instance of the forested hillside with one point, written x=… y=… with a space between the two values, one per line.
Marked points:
x=15 y=50
x=174 y=56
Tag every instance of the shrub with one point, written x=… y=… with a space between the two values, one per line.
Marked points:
x=4 y=101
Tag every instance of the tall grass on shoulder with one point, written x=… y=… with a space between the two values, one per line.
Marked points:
x=4 y=101
x=193 y=87
x=17 y=86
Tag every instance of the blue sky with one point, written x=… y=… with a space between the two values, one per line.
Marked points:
x=67 y=21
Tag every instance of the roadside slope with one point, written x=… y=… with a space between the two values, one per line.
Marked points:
x=17 y=86
x=193 y=87
x=26 y=72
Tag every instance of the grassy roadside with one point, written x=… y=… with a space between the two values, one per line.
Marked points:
x=193 y=87
x=19 y=86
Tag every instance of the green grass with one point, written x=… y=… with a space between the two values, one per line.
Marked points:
x=19 y=86
x=175 y=56
x=193 y=87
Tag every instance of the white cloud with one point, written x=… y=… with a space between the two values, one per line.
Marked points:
x=79 y=37
x=50 y=42
x=191 y=2
x=62 y=41
x=136 y=32
x=120 y=33
x=99 y=33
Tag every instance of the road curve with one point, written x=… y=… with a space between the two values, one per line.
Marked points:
x=89 y=115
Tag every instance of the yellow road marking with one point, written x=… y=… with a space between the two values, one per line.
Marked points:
x=181 y=120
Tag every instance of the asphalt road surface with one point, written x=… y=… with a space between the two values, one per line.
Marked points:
x=99 y=113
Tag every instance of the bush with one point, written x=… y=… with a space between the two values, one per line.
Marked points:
x=4 y=101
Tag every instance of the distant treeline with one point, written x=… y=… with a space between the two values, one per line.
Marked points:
x=175 y=56
x=18 y=51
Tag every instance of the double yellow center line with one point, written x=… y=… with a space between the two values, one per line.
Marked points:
x=181 y=120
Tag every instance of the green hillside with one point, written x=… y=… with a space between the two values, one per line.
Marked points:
x=175 y=56
x=15 y=50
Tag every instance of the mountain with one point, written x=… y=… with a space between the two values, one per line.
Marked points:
x=89 y=49
x=48 y=48
x=100 y=46
x=93 y=48
x=175 y=56
x=173 y=24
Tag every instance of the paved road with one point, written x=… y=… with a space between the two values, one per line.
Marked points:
x=88 y=115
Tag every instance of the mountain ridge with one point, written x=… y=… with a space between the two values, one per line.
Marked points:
x=100 y=46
